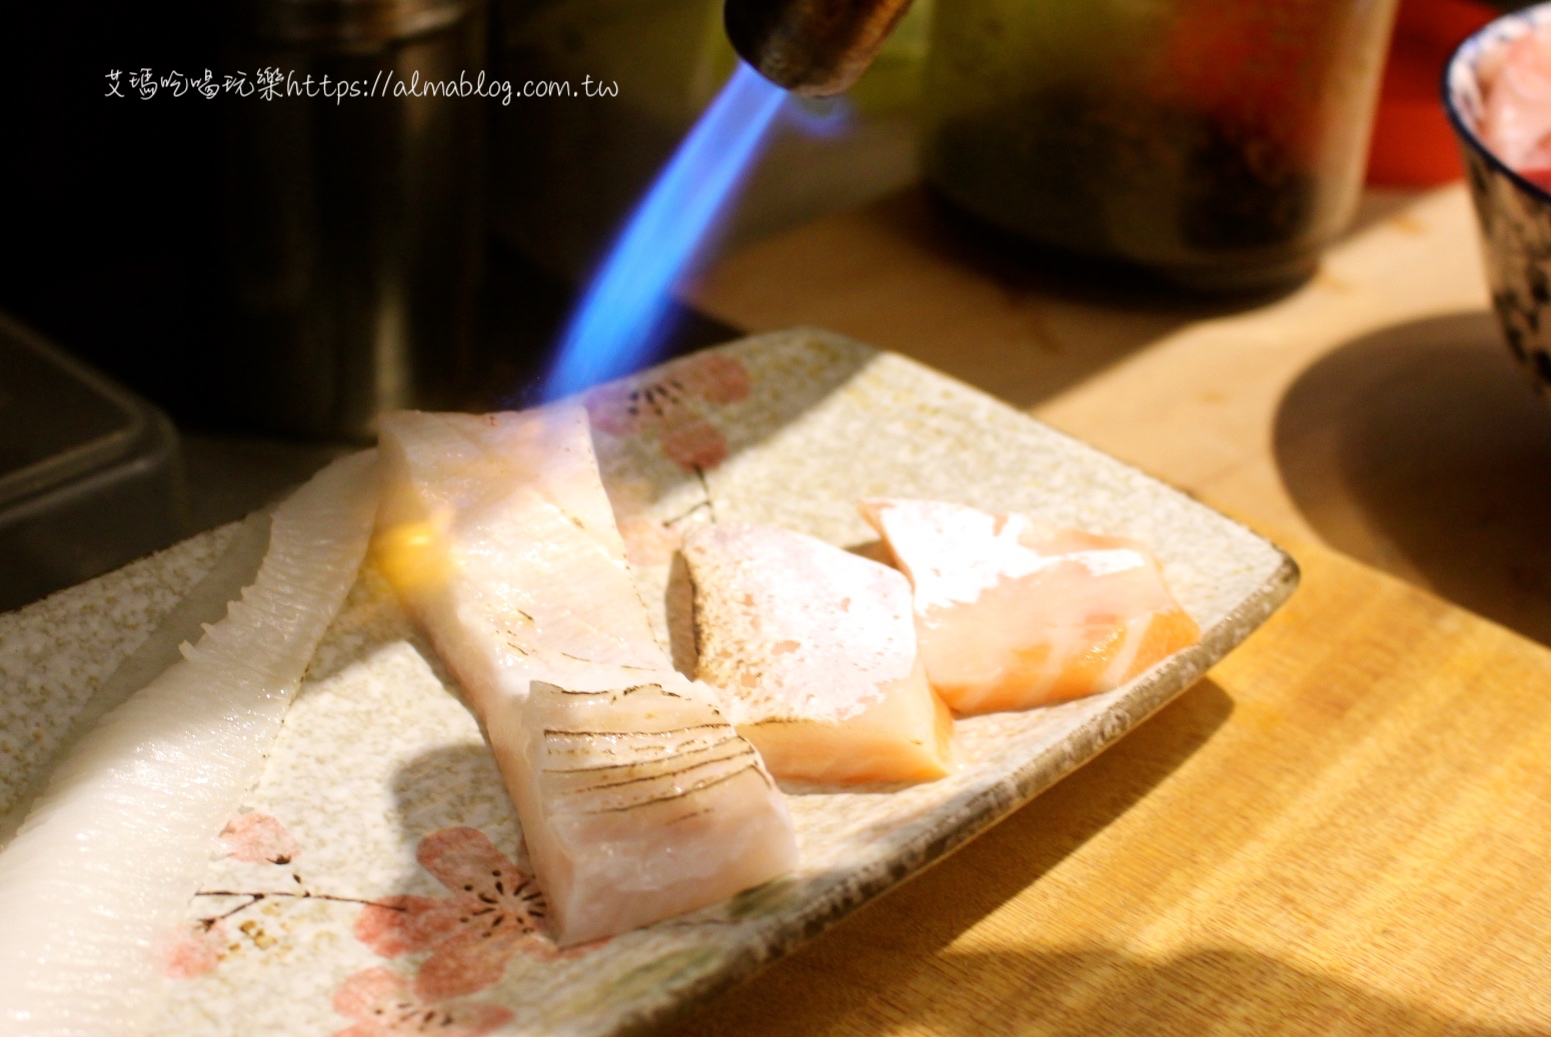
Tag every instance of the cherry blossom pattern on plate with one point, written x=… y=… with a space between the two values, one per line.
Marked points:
x=385 y=1004
x=199 y=950
x=259 y=838
x=672 y=408
x=253 y=838
x=495 y=910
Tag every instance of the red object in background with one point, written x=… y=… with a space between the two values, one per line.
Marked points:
x=1413 y=143
x=1254 y=67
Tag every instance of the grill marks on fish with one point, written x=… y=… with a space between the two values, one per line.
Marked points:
x=668 y=769
x=747 y=760
x=645 y=767
x=625 y=734
x=728 y=739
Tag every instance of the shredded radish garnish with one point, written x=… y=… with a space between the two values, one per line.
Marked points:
x=103 y=868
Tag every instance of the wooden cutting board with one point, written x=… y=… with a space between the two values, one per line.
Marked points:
x=1346 y=827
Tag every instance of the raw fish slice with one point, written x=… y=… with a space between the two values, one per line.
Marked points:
x=106 y=863
x=1011 y=615
x=498 y=534
x=814 y=649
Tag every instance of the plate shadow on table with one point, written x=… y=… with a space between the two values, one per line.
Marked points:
x=890 y=960
x=1421 y=449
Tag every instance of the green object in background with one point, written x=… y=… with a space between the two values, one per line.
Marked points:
x=1215 y=142
x=893 y=84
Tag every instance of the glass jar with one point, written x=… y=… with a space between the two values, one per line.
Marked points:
x=1218 y=143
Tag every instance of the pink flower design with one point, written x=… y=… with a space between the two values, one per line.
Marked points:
x=666 y=408
x=257 y=837
x=493 y=912
x=200 y=950
x=384 y=1005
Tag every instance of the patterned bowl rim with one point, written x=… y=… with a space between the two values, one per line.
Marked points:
x=1461 y=86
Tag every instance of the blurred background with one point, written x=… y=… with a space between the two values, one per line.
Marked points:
x=268 y=273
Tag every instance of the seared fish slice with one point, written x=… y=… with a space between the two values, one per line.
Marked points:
x=814 y=650
x=640 y=774
x=498 y=535
x=1011 y=615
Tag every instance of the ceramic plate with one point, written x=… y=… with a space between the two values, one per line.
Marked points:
x=365 y=888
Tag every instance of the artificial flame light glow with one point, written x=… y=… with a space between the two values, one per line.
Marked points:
x=619 y=322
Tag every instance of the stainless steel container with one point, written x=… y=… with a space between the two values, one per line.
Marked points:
x=351 y=225
x=90 y=474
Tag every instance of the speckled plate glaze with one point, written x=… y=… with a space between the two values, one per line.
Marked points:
x=372 y=882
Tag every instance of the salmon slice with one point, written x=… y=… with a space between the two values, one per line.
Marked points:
x=814 y=649
x=1012 y=615
x=497 y=534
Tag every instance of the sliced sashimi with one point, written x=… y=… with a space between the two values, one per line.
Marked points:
x=1012 y=615
x=102 y=871
x=498 y=535
x=814 y=649
x=647 y=795
x=496 y=528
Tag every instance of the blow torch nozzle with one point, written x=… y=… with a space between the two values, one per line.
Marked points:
x=811 y=47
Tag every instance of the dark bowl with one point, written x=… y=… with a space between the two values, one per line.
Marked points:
x=1514 y=214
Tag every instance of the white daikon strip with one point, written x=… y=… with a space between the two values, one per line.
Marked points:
x=101 y=872
x=207 y=601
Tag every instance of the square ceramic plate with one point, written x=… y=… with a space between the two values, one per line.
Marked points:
x=360 y=892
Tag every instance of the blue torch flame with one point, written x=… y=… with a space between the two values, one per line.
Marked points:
x=619 y=321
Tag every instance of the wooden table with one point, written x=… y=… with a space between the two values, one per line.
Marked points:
x=1346 y=827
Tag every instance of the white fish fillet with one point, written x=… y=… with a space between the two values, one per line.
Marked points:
x=498 y=534
x=103 y=869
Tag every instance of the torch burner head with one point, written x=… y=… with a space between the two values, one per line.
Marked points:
x=812 y=47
